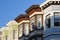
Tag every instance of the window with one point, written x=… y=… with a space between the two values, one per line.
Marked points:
x=48 y=22
x=56 y=19
x=26 y=29
x=20 y=30
x=39 y=25
x=13 y=34
x=6 y=37
x=32 y=25
x=39 y=22
x=32 y=22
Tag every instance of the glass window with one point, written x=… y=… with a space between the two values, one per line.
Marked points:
x=39 y=25
x=56 y=19
x=48 y=22
x=32 y=25
x=26 y=29
x=13 y=34
x=39 y=22
x=32 y=22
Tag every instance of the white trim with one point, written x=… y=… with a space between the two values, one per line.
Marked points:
x=44 y=3
x=35 y=13
x=11 y=22
x=4 y=28
x=23 y=21
x=47 y=2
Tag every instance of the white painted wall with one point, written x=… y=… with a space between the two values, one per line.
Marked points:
x=50 y=10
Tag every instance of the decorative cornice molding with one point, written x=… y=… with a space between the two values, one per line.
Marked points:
x=47 y=4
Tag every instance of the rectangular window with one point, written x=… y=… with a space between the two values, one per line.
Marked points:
x=48 y=22
x=56 y=19
x=26 y=29
x=13 y=34
x=39 y=25
x=6 y=37
x=20 y=30
x=32 y=25
x=39 y=22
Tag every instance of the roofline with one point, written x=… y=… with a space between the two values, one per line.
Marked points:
x=47 y=1
x=13 y=21
x=30 y=8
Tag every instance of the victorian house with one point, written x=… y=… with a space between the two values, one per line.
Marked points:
x=41 y=22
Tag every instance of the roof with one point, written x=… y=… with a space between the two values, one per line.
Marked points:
x=32 y=7
x=24 y=16
x=47 y=2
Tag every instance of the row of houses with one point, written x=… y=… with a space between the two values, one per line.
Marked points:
x=41 y=22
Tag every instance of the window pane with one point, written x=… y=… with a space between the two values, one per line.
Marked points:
x=32 y=25
x=48 y=22
x=39 y=25
x=20 y=30
x=56 y=19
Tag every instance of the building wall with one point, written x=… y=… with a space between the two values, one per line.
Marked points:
x=52 y=37
x=53 y=32
x=23 y=27
x=13 y=26
x=5 y=32
x=51 y=17
x=50 y=10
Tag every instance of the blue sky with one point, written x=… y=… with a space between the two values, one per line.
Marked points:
x=10 y=9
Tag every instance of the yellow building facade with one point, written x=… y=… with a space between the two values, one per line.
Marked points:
x=13 y=30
